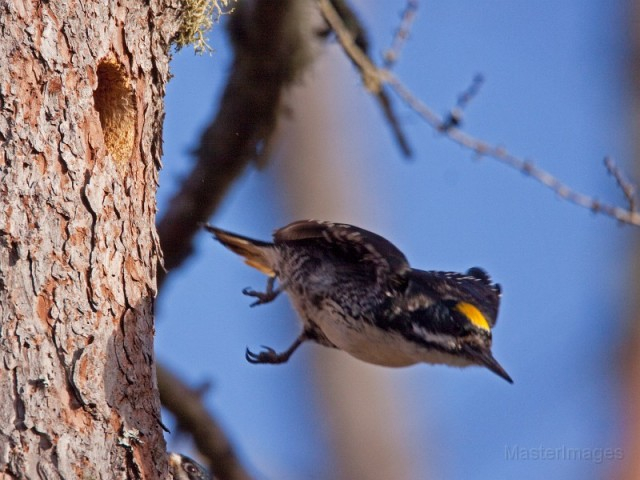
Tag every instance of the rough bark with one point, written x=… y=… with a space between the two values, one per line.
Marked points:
x=81 y=88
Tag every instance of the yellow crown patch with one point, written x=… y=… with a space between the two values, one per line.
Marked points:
x=473 y=314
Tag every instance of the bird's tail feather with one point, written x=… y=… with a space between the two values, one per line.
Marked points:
x=255 y=252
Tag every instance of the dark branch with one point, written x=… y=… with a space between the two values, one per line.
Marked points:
x=270 y=53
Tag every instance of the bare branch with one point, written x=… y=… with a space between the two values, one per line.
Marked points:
x=379 y=77
x=186 y=404
x=402 y=33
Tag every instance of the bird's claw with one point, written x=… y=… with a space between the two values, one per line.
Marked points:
x=262 y=297
x=268 y=355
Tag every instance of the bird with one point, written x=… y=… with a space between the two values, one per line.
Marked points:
x=185 y=468
x=355 y=291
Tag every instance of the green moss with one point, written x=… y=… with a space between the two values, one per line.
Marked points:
x=197 y=18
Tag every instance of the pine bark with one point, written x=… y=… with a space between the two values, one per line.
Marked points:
x=81 y=87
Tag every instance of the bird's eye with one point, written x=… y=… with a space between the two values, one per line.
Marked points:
x=190 y=468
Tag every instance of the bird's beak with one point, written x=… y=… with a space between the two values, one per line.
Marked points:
x=485 y=358
x=493 y=365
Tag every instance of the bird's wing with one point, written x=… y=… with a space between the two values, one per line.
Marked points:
x=355 y=244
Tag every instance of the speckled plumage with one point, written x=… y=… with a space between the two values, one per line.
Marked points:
x=355 y=291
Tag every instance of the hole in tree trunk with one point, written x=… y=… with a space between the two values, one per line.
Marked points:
x=114 y=101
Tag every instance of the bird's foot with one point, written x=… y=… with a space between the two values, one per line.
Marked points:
x=264 y=297
x=268 y=355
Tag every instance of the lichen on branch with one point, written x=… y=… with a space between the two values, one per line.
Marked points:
x=196 y=19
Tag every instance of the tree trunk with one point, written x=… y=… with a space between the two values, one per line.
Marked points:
x=81 y=87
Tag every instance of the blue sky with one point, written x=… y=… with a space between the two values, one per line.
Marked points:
x=554 y=93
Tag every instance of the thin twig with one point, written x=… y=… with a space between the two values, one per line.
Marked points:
x=454 y=117
x=210 y=439
x=380 y=77
x=402 y=34
x=628 y=189
x=471 y=92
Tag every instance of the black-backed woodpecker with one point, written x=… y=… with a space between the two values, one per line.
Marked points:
x=355 y=291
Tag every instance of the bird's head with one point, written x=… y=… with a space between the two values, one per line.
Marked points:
x=452 y=316
x=185 y=468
